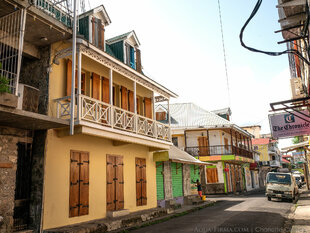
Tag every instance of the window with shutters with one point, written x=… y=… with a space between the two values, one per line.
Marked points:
x=141 y=182
x=97 y=33
x=115 y=183
x=79 y=183
x=69 y=78
x=175 y=141
x=130 y=56
x=148 y=107
x=96 y=86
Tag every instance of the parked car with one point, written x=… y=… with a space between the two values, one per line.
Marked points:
x=281 y=185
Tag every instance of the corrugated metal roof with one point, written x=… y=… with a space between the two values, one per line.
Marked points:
x=223 y=111
x=123 y=37
x=188 y=115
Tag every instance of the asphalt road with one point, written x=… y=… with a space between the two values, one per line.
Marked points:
x=233 y=214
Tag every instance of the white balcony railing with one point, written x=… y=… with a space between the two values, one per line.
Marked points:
x=103 y=114
x=274 y=163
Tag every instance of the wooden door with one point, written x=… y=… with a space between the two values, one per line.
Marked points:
x=106 y=90
x=212 y=175
x=124 y=98
x=79 y=184
x=148 y=107
x=115 y=183
x=96 y=86
x=141 y=195
x=203 y=146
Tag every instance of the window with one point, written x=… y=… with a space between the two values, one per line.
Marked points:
x=79 y=183
x=130 y=56
x=175 y=141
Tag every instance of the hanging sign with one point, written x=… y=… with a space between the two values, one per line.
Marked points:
x=286 y=125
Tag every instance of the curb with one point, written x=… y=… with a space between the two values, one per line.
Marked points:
x=164 y=218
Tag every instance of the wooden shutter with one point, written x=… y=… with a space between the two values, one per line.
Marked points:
x=96 y=86
x=148 y=107
x=124 y=94
x=115 y=183
x=110 y=183
x=74 y=185
x=79 y=184
x=226 y=143
x=100 y=31
x=131 y=101
x=203 y=146
x=138 y=106
x=106 y=90
x=69 y=77
x=212 y=176
x=161 y=116
x=141 y=195
x=119 y=183
x=138 y=60
x=84 y=183
x=93 y=21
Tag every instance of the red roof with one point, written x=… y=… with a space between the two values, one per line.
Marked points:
x=285 y=161
x=260 y=141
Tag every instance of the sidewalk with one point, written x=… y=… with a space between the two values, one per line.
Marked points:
x=301 y=216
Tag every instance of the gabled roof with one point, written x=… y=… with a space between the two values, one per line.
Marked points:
x=101 y=10
x=191 y=116
x=124 y=37
x=260 y=141
x=223 y=111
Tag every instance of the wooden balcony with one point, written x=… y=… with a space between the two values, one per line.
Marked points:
x=219 y=150
x=105 y=116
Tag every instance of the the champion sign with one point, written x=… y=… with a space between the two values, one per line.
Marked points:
x=289 y=125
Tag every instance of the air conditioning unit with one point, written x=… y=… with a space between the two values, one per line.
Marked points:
x=297 y=88
x=28 y=98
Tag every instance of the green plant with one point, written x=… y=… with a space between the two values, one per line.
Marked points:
x=4 y=83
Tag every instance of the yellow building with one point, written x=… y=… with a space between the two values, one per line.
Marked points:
x=107 y=166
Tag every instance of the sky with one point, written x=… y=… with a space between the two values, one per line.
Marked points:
x=181 y=48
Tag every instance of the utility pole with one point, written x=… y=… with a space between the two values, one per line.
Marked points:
x=72 y=107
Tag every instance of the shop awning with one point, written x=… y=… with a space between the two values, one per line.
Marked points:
x=285 y=161
x=175 y=154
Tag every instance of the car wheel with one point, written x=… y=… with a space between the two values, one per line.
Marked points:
x=269 y=198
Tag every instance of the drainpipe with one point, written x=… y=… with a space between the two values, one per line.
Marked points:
x=73 y=69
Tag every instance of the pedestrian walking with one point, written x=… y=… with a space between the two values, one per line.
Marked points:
x=199 y=188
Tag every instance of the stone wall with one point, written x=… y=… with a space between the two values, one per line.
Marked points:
x=37 y=178
x=217 y=188
x=167 y=180
x=8 y=158
x=35 y=73
x=186 y=180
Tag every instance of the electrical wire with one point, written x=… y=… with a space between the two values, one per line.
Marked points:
x=293 y=51
x=224 y=51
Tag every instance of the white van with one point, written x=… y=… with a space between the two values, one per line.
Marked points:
x=281 y=185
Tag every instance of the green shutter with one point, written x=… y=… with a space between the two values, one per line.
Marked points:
x=117 y=50
x=177 y=179
x=84 y=27
x=194 y=176
x=160 y=181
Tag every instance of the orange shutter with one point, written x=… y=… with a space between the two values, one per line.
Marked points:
x=74 y=185
x=106 y=90
x=141 y=197
x=131 y=101
x=212 y=176
x=101 y=45
x=138 y=106
x=124 y=98
x=79 y=184
x=110 y=183
x=119 y=186
x=203 y=146
x=96 y=86
x=148 y=107
x=84 y=183
x=138 y=60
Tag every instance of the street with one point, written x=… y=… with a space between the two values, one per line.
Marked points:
x=232 y=214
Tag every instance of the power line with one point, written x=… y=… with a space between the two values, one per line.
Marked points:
x=224 y=51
